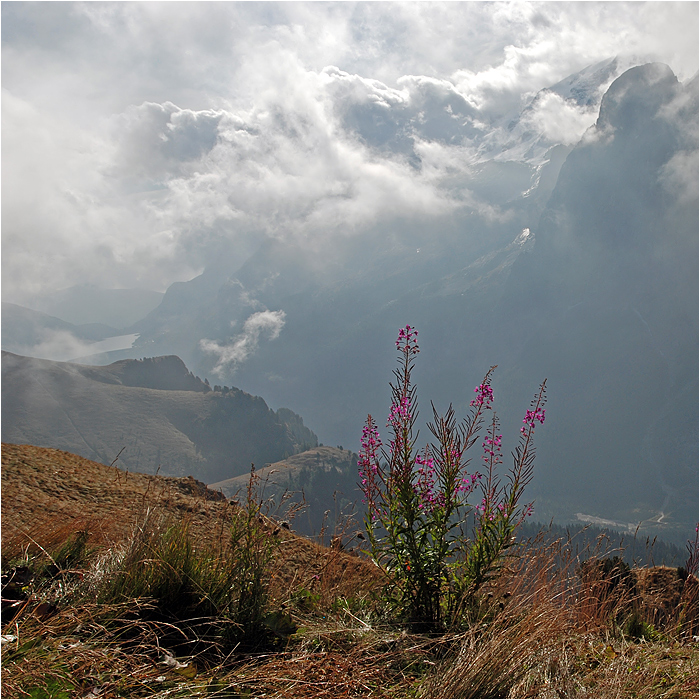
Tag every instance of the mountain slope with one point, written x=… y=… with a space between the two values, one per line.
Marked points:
x=600 y=296
x=47 y=494
x=153 y=413
x=325 y=478
x=611 y=308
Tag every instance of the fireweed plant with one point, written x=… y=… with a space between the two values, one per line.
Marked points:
x=417 y=500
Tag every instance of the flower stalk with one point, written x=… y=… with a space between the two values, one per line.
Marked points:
x=417 y=500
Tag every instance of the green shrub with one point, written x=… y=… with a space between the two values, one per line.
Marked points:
x=635 y=627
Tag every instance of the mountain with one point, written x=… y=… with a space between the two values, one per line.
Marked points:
x=25 y=331
x=324 y=479
x=597 y=292
x=583 y=270
x=611 y=312
x=519 y=139
x=517 y=169
x=153 y=414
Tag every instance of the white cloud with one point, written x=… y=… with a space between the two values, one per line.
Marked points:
x=245 y=344
x=161 y=140
x=143 y=140
x=286 y=167
x=559 y=120
x=58 y=345
x=679 y=176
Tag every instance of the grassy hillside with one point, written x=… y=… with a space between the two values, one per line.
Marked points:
x=153 y=413
x=133 y=585
x=324 y=478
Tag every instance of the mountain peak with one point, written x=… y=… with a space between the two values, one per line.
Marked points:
x=168 y=372
x=636 y=95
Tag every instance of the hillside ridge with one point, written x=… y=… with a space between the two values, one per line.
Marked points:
x=153 y=412
x=47 y=493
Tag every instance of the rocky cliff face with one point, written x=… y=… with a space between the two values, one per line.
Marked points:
x=610 y=308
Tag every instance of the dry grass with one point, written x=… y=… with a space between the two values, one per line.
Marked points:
x=74 y=654
x=48 y=494
x=545 y=628
x=550 y=629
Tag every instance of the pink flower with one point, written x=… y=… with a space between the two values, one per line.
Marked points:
x=368 y=462
x=492 y=449
x=484 y=396
x=407 y=341
x=531 y=417
x=399 y=412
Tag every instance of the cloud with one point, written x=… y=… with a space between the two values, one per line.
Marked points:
x=544 y=42
x=162 y=140
x=245 y=344
x=58 y=345
x=144 y=141
x=289 y=167
x=679 y=176
x=559 y=120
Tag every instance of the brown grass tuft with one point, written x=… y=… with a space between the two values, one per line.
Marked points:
x=551 y=628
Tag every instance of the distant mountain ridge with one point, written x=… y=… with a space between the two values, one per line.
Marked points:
x=600 y=296
x=167 y=373
x=24 y=330
x=153 y=413
x=87 y=303
x=325 y=478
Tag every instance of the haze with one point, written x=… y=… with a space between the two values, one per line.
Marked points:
x=270 y=190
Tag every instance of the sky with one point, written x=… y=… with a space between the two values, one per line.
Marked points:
x=143 y=141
